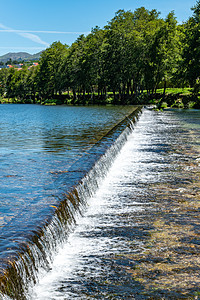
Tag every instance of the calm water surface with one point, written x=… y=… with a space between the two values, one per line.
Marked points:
x=36 y=144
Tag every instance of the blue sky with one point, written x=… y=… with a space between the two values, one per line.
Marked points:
x=32 y=25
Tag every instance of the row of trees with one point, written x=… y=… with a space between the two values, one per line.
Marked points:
x=135 y=51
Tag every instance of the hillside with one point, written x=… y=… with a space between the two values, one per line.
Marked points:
x=19 y=56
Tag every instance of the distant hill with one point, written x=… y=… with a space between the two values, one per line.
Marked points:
x=19 y=56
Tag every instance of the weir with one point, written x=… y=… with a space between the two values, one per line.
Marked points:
x=76 y=185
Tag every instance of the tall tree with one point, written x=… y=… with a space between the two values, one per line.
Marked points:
x=50 y=73
x=191 y=53
x=3 y=80
x=165 y=51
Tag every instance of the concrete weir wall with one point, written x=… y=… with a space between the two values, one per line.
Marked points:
x=36 y=249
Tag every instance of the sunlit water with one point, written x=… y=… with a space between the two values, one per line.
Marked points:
x=88 y=265
x=37 y=145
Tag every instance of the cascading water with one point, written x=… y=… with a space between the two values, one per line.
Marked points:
x=76 y=250
x=37 y=255
x=124 y=245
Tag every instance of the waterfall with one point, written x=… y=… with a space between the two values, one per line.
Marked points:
x=85 y=177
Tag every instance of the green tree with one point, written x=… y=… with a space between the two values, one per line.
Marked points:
x=75 y=66
x=93 y=63
x=50 y=70
x=135 y=51
x=10 y=83
x=130 y=37
x=17 y=84
x=3 y=80
x=191 y=53
x=32 y=83
x=165 y=52
x=147 y=24
x=117 y=58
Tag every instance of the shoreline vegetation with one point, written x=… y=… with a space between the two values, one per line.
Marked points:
x=138 y=58
x=174 y=98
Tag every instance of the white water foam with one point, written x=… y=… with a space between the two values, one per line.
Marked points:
x=109 y=201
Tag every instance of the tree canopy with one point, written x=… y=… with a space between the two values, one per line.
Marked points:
x=135 y=52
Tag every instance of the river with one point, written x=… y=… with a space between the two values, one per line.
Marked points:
x=96 y=261
x=137 y=236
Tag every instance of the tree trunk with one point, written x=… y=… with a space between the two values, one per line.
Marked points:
x=120 y=94
x=114 y=94
x=105 y=91
x=92 y=95
x=165 y=85
x=74 y=94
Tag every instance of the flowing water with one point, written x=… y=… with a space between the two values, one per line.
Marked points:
x=92 y=263
x=126 y=196
x=36 y=145
x=45 y=153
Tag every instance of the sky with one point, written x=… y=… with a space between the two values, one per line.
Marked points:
x=32 y=25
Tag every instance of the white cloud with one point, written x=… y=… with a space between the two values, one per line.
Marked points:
x=25 y=34
x=34 y=38
x=17 y=48
x=4 y=27
x=42 y=31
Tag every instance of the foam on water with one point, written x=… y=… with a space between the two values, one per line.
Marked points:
x=116 y=193
x=83 y=266
x=87 y=240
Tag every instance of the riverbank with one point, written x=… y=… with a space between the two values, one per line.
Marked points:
x=173 y=97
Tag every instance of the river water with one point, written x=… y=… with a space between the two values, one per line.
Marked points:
x=44 y=152
x=97 y=259
x=38 y=143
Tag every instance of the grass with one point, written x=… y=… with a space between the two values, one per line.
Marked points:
x=4 y=100
x=185 y=91
x=175 y=97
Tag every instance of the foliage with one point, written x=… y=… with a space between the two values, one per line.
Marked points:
x=50 y=72
x=127 y=61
